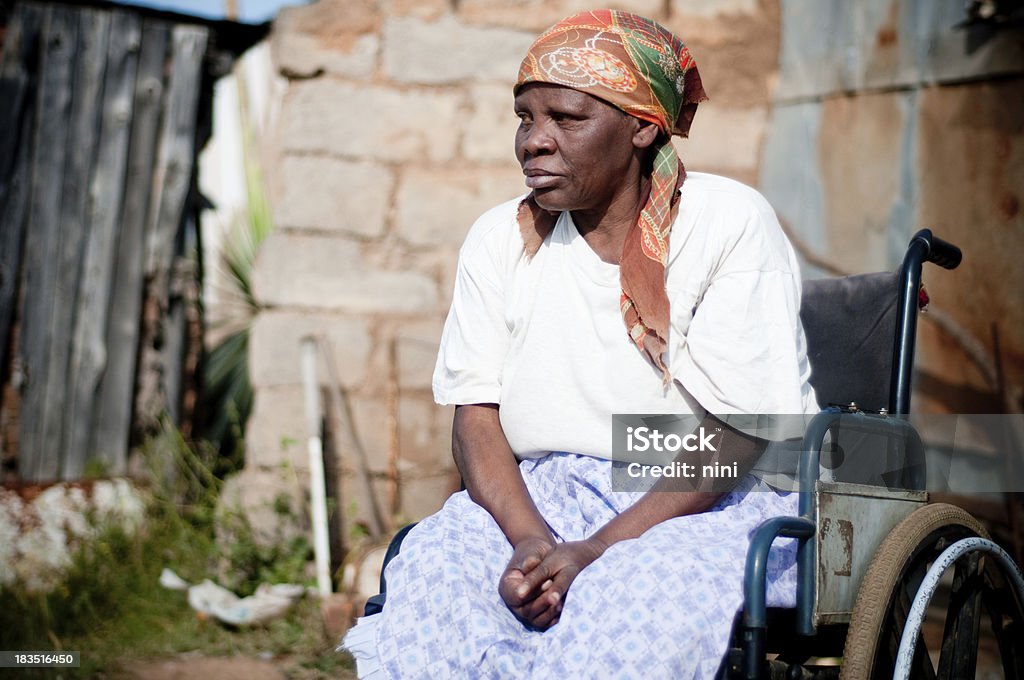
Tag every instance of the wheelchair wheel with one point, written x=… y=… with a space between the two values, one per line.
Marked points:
x=891 y=582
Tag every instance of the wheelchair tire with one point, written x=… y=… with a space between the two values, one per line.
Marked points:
x=888 y=588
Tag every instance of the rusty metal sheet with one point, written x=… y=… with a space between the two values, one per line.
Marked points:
x=835 y=46
x=812 y=172
x=790 y=177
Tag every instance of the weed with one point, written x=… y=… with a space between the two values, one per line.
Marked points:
x=110 y=606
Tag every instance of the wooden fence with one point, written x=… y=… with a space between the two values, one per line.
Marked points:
x=100 y=122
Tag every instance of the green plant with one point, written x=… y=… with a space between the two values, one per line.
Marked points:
x=246 y=561
x=358 y=532
x=111 y=608
x=109 y=602
x=96 y=468
x=226 y=396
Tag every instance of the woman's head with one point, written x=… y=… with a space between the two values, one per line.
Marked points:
x=588 y=77
x=626 y=60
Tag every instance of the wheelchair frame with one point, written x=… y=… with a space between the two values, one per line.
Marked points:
x=833 y=514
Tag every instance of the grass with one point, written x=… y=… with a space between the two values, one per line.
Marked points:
x=111 y=607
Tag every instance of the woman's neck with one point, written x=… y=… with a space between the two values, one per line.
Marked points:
x=605 y=229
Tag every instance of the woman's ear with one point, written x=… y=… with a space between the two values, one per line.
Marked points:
x=645 y=134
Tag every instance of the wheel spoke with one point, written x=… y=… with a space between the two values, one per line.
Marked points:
x=922 y=667
x=959 y=654
x=1006 y=615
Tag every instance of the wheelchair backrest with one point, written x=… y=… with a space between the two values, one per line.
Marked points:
x=850 y=323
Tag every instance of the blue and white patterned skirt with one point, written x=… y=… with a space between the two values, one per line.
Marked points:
x=658 y=606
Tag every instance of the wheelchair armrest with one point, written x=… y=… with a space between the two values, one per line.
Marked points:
x=755 y=616
x=757 y=562
x=889 y=426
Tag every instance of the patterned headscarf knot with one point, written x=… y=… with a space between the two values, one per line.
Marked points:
x=643 y=69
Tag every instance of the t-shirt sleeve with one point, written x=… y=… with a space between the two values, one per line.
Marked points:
x=475 y=339
x=744 y=350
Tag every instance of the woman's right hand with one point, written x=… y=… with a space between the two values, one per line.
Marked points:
x=531 y=606
x=493 y=480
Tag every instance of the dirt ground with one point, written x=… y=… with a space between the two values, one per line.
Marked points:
x=221 y=668
x=188 y=666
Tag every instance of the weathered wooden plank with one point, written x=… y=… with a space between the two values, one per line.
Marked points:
x=50 y=137
x=106 y=195
x=176 y=320
x=17 y=80
x=17 y=65
x=89 y=62
x=177 y=147
x=114 y=416
x=172 y=180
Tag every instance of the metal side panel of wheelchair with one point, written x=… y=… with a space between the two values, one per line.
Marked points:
x=872 y=550
x=852 y=521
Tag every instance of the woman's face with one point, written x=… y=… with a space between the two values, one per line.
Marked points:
x=576 y=151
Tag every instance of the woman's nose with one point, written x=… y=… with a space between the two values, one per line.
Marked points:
x=537 y=141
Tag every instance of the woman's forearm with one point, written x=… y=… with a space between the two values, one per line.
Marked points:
x=665 y=501
x=653 y=508
x=491 y=473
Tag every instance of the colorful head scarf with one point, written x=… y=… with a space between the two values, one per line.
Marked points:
x=640 y=67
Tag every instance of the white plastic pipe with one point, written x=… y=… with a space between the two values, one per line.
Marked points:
x=317 y=493
x=931 y=582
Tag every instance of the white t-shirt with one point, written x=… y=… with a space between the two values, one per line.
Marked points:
x=544 y=338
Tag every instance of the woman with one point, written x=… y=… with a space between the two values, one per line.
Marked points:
x=541 y=568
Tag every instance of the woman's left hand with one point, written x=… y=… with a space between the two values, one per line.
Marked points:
x=560 y=566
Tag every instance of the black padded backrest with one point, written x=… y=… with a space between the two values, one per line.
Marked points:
x=850 y=324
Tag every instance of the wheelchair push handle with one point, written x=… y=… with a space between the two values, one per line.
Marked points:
x=937 y=251
x=924 y=247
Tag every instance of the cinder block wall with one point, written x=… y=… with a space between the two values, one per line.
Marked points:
x=395 y=133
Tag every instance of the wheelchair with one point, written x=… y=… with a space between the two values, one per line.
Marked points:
x=871 y=551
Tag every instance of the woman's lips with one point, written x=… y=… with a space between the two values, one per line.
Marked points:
x=541 y=180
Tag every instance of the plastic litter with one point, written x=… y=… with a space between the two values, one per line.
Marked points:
x=209 y=599
x=171 y=581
